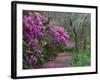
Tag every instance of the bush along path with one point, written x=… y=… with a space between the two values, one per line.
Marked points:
x=63 y=59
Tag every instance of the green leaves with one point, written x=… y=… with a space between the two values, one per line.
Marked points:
x=29 y=52
x=41 y=60
x=81 y=59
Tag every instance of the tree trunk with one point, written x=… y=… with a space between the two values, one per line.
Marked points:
x=76 y=41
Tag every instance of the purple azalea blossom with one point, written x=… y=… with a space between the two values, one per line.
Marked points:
x=33 y=28
x=58 y=34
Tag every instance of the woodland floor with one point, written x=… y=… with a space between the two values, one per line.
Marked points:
x=62 y=60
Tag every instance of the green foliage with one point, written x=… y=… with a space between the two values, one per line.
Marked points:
x=72 y=36
x=25 y=51
x=60 y=47
x=25 y=45
x=70 y=49
x=81 y=59
x=49 y=52
x=52 y=51
x=25 y=66
x=41 y=60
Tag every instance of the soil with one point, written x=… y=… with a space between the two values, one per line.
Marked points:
x=62 y=60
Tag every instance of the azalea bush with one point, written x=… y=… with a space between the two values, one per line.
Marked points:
x=42 y=39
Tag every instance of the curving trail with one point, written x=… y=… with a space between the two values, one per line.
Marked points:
x=62 y=60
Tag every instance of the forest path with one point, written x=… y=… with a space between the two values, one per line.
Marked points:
x=63 y=59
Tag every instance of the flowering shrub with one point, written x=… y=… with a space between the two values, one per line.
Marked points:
x=36 y=36
x=59 y=36
x=33 y=29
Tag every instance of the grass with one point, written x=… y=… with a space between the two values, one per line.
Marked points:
x=81 y=59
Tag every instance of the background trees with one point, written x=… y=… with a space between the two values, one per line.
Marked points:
x=77 y=24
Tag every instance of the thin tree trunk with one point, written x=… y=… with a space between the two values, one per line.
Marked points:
x=76 y=41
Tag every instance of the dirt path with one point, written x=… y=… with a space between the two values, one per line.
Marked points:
x=62 y=60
